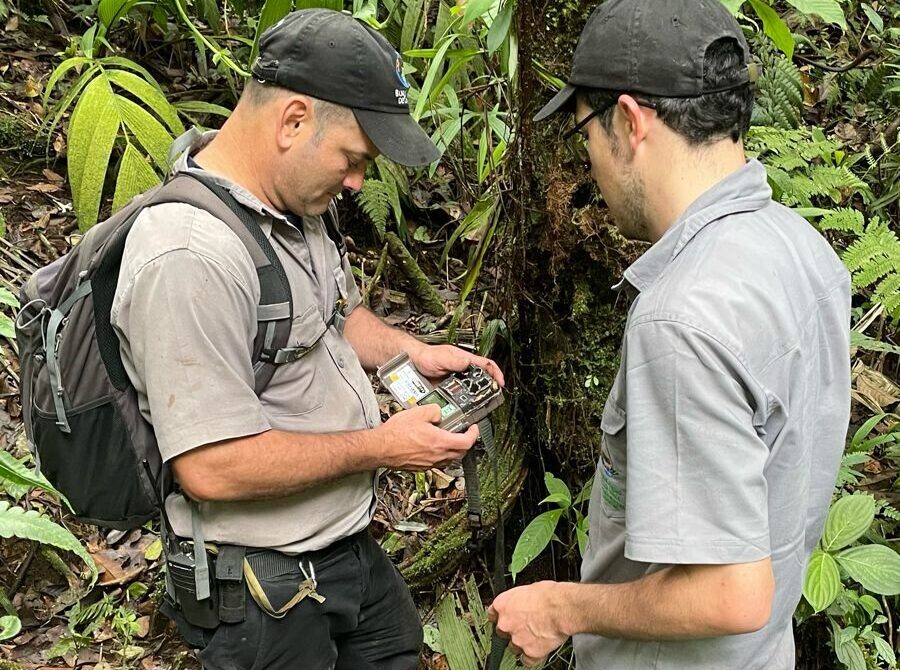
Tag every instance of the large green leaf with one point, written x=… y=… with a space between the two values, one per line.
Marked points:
x=500 y=27
x=135 y=176
x=9 y=627
x=18 y=473
x=200 y=107
x=154 y=138
x=774 y=27
x=7 y=298
x=848 y=519
x=30 y=525
x=457 y=639
x=60 y=71
x=733 y=6
x=534 y=540
x=110 y=11
x=829 y=10
x=558 y=490
x=272 y=12
x=823 y=581
x=7 y=327
x=150 y=95
x=475 y=9
x=847 y=649
x=92 y=133
x=875 y=566
x=437 y=66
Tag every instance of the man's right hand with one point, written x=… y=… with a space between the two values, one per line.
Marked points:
x=412 y=441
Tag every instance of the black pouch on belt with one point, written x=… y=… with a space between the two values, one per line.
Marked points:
x=230 y=578
x=204 y=613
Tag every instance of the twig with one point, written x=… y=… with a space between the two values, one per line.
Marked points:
x=23 y=569
x=367 y=296
x=863 y=55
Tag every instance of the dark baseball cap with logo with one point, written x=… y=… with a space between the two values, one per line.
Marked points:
x=331 y=56
x=651 y=47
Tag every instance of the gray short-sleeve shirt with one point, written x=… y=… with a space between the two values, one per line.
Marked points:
x=725 y=426
x=185 y=314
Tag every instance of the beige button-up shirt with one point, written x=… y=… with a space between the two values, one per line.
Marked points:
x=185 y=314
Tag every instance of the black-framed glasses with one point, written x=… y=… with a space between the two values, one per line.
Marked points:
x=611 y=102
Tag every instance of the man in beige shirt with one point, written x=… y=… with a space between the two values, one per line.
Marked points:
x=287 y=474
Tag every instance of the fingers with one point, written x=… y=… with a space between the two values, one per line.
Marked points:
x=492 y=614
x=490 y=367
x=430 y=413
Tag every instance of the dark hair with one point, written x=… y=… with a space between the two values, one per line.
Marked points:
x=703 y=119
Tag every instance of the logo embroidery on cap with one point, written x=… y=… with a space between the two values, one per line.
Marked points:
x=400 y=93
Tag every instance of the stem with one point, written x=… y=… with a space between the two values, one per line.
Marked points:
x=219 y=53
x=367 y=296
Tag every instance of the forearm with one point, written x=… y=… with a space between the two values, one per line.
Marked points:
x=275 y=463
x=675 y=603
x=374 y=341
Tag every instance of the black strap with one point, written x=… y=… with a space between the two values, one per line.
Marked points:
x=275 y=292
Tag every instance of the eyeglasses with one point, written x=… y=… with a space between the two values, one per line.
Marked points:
x=611 y=102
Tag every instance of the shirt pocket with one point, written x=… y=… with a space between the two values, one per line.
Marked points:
x=612 y=461
x=297 y=388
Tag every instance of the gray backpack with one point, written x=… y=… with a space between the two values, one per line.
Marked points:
x=80 y=409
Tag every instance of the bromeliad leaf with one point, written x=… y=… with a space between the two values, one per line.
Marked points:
x=30 y=525
x=823 y=581
x=848 y=519
x=92 y=133
x=875 y=566
x=148 y=131
x=149 y=94
x=135 y=176
x=534 y=540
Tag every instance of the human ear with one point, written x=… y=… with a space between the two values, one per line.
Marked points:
x=295 y=120
x=636 y=121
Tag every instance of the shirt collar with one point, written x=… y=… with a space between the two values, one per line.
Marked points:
x=193 y=141
x=746 y=190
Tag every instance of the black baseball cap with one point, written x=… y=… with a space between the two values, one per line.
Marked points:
x=650 y=47
x=332 y=56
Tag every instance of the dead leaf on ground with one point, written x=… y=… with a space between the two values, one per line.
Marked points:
x=874 y=387
x=12 y=24
x=50 y=175
x=43 y=188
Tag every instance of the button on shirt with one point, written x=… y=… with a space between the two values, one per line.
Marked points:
x=725 y=426
x=185 y=314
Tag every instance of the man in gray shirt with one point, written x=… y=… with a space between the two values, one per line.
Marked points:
x=724 y=428
x=286 y=476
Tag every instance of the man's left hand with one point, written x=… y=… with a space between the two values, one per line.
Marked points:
x=531 y=617
x=437 y=361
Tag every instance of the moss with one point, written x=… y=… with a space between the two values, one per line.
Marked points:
x=447 y=543
x=16 y=134
x=10 y=665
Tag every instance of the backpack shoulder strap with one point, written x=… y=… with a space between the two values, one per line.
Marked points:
x=275 y=309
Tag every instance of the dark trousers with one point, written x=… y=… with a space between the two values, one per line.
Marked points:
x=367 y=622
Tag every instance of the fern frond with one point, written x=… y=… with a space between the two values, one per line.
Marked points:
x=779 y=101
x=843 y=219
x=374 y=199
